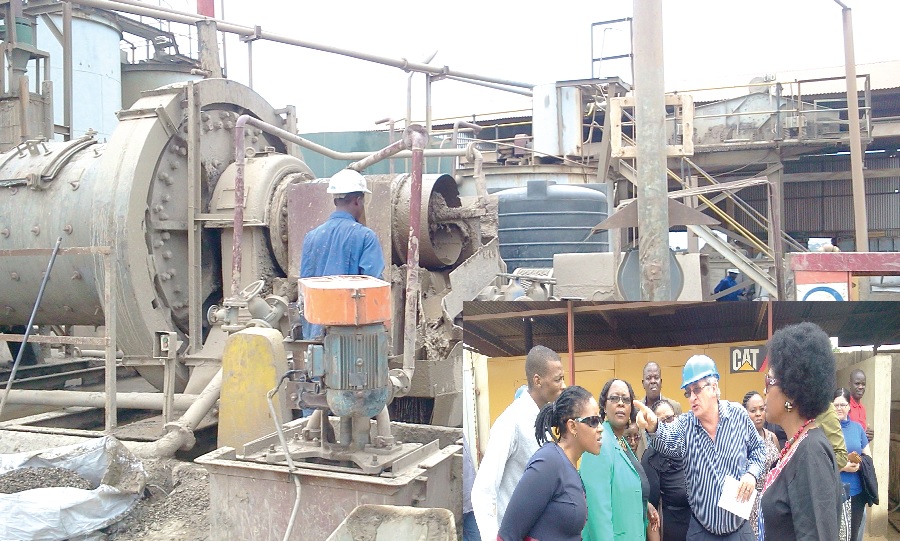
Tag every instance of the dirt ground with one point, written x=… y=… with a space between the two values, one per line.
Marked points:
x=175 y=506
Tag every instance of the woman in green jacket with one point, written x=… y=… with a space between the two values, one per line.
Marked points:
x=616 y=501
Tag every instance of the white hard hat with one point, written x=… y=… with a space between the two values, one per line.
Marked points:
x=347 y=181
x=735 y=271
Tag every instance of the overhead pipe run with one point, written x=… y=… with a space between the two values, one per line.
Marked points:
x=158 y=12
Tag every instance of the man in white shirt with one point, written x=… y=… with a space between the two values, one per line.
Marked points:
x=512 y=441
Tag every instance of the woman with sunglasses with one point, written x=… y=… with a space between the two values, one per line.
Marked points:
x=666 y=476
x=857 y=444
x=549 y=501
x=614 y=481
x=755 y=405
x=802 y=493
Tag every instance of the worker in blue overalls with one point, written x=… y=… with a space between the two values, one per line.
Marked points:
x=341 y=245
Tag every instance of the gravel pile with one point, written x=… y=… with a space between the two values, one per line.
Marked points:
x=28 y=478
x=175 y=505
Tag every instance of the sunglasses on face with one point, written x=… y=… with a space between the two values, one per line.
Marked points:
x=770 y=382
x=667 y=419
x=621 y=399
x=695 y=390
x=592 y=421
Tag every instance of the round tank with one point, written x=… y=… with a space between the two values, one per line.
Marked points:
x=96 y=71
x=150 y=75
x=130 y=195
x=544 y=219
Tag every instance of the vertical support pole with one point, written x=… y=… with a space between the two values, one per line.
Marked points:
x=860 y=225
x=570 y=339
x=290 y=124
x=650 y=110
x=4 y=48
x=250 y=63
x=195 y=323
x=529 y=334
x=110 y=315
x=428 y=104
x=776 y=240
x=415 y=139
x=224 y=54
x=67 y=70
x=24 y=103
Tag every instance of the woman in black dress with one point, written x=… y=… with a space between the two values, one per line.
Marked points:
x=549 y=501
x=802 y=493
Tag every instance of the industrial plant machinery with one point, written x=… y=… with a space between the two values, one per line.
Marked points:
x=160 y=194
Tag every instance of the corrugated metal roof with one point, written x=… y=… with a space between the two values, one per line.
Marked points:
x=498 y=329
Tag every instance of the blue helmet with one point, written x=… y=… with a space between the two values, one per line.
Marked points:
x=697 y=368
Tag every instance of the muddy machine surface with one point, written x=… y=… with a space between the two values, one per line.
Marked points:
x=189 y=282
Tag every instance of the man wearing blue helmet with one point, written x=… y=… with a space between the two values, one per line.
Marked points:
x=716 y=439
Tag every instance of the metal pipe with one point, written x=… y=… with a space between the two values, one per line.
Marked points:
x=180 y=434
x=110 y=315
x=250 y=63
x=464 y=124
x=860 y=225
x=65 y=399
x=94 y=353
x=428 y=102
x=333 y=154
x=224 y=54
x=37 y=304
x=523 y=92
x=159 y=12
x=416 y=139
x=382 y=154
x=67 y=69
x=315 y=420
x=383 y=423
x=390 y=122
x=653 y=208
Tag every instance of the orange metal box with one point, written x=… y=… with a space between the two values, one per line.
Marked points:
x=346 y=300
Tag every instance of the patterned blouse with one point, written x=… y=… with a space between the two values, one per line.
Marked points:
x=772 y=452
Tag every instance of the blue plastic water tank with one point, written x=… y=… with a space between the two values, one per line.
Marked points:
x=545 y=218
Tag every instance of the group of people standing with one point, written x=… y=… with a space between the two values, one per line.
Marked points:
x=562 y=464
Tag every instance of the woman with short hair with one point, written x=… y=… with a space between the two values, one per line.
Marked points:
x=549 y=501
x=616 y=492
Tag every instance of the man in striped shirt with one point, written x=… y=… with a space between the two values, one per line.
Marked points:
x=716 y=439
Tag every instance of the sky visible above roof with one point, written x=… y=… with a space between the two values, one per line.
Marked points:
x=706 y=43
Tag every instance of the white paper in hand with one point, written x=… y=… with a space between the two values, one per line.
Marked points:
x=728 y=500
